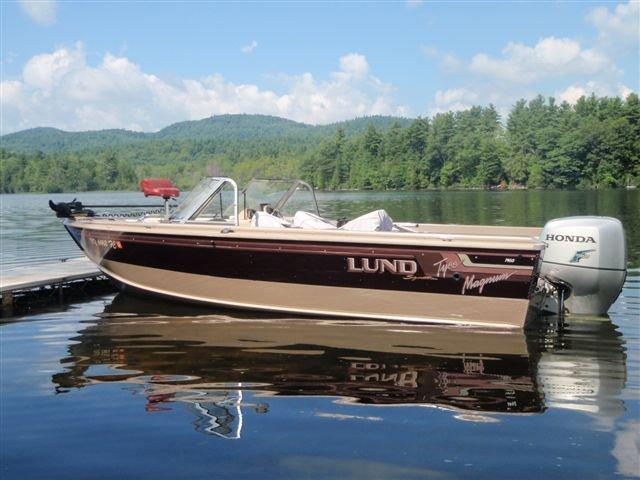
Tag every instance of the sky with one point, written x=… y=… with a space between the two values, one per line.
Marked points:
x=142 y=65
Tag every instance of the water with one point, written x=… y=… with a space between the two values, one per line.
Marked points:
x=31 y=234
x=124 y=386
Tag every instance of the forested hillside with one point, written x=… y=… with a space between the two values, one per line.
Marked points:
x=219 y=128
x=594 y=143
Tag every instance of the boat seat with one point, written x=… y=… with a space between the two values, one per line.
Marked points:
x=310 y=221
x=376 y=221
x=266 y=220
x=159 y=187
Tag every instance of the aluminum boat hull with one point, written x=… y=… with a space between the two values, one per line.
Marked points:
x=404 y=277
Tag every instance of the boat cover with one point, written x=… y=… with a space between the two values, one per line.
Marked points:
x=266 y=220
x=377 y=221
x=309 y=220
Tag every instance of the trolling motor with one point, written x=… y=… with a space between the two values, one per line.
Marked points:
x=160 y=187
x=74 y=208
x=151 y=187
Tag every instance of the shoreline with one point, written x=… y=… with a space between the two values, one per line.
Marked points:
x=360 y=190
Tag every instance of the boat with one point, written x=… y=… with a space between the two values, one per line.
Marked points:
x=267 y=247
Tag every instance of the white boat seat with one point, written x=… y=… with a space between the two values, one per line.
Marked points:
x=266 y=220
x=376 y=221
x=310 y=221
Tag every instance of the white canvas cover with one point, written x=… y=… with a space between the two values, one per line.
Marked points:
x=310 y=221
x=376 y=221
x=266 y=220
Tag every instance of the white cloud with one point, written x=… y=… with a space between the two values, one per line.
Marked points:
x=617 y=28
x=552 y=63
x=454 y=99
x=463 y=98
x=61 y=89
x=40 y=11
x=572 y=93
x=549 y=57
x=44 y=70
x=353 y=66
x=248 y=49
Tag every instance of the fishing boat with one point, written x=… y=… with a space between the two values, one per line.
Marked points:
x=267 y=247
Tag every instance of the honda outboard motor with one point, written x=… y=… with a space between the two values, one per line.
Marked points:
x=586 y=260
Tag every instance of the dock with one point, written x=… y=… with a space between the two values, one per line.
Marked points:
x=51 y=282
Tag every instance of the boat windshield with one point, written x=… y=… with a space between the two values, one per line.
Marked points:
x=285 y=196
x=213 y=199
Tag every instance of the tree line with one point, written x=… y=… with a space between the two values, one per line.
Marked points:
x=594 y=143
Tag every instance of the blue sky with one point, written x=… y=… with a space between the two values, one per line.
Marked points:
x=143 y=65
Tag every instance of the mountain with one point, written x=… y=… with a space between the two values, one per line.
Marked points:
x=238 y=127
x=50 y=140
x=234 y=127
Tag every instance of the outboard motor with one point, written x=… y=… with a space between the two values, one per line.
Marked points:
x=586 y=260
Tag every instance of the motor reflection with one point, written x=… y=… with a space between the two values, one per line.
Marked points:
x=186 y=355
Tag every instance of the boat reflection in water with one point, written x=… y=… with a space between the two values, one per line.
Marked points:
x=207 y=361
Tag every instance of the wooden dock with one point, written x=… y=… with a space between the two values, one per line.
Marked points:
x=48 y=280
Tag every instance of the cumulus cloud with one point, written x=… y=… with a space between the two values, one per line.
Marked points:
x=617 y=28
x=353 y=66
x=61 y=89
x=454 y=99
x=40 y=11
x=463 y=98
x=248 y=49
x=524 y=71
x=573 y=92
x=549 y=57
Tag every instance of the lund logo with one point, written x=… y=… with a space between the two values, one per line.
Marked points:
x=381 y=265
x=570 y=238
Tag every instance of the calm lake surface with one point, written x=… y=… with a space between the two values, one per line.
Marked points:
x=127 y=387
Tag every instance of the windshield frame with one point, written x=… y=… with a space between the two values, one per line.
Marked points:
x=199 y=198
x=288 y=194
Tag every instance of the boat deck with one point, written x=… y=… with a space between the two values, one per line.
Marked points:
x=418 y=234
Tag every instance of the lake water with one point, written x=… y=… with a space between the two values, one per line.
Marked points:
x=124 y=386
